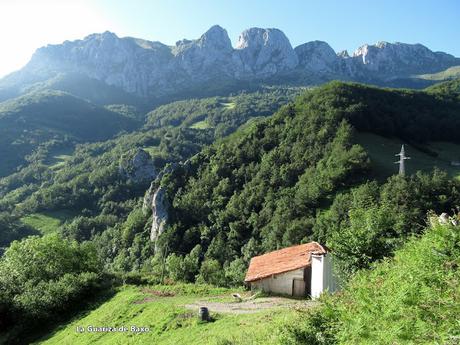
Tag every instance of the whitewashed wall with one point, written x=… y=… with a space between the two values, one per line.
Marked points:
x=322 y=275
x=279 y=283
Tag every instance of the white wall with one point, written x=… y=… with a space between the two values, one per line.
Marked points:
x=279 y=283
x=322 y=275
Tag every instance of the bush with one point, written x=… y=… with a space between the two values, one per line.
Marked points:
x=211 y=272
x=235 y=272
x=313 y=327
x=43 y=277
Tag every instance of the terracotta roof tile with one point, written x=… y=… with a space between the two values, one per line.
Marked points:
x=283 y=260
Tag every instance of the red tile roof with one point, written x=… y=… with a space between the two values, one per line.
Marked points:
x=283 y=260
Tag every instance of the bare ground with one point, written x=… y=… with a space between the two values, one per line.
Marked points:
x=252 y=306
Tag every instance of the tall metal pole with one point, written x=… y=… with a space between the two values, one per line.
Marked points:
x=402 y=158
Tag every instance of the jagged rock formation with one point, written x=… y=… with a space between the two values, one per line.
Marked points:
x=155 y=199
x=137 y=166
x=386 y=59
x=148 y=198
x=152 y=69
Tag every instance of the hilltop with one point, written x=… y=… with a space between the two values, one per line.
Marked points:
x=53 y=118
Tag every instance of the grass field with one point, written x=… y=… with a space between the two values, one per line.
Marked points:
x=58 y=157
x=382 y=154
x=48 y=222
x=151 y=149
x=200 y=125
x=168 y=321
x=450 y=73
x=228 y=105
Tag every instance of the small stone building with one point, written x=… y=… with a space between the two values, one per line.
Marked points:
x=302 y=270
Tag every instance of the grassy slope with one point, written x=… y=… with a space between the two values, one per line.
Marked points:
x=228 y=105
x=200 y=125
x=48 y=222
x=382 y=154
x=57 y=158
x=169 y=321
x=413 y=299
x=450 y=73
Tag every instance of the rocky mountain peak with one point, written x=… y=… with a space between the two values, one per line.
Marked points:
x=216 y=37
x=266 y=51
x=317 y=56
x=107 y=35
x=343 y=54
x=397 y=58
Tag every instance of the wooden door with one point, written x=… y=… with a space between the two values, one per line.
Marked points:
x=298 y=288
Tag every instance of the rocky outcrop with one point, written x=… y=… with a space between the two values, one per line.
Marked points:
x=386 y=60
x=132 y=64
x=148 y=198
x=152 y=69
x=209 y=57
x=137 y=166
x=155 y=200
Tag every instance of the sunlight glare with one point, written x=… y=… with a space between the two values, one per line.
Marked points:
x=28 y=25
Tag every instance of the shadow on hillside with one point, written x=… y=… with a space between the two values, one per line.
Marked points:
x=20 y=335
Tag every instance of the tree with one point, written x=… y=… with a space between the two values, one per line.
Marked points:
x=211 y=272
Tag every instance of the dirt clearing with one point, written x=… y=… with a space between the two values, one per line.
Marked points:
x=252 y=306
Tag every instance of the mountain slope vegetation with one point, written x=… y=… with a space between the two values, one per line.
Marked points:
x=271 y=185
x=237 y=183
x=89 y=180
x=52 y=118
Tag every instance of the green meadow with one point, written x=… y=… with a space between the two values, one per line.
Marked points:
x=162 y=310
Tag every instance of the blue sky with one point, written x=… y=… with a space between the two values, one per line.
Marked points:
x=28 y=24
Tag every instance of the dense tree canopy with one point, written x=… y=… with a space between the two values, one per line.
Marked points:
x=41 y=277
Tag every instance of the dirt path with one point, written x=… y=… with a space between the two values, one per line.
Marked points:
x=252 y=306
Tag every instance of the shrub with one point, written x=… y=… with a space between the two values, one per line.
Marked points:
x=42 y=277
x=211 y=272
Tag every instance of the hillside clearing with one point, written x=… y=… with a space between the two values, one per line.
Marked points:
x=48 y=222
x=58 y=157
x=228 y=105
x=450 y=73
x=382 y=152
x=200 y=125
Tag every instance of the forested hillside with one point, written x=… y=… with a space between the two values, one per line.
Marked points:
x=53 y=119
x=299 y=176
x=96 y=185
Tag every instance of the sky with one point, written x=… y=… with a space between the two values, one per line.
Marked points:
x=26 y=25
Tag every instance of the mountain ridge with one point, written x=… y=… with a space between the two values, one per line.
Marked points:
x=151 y=69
